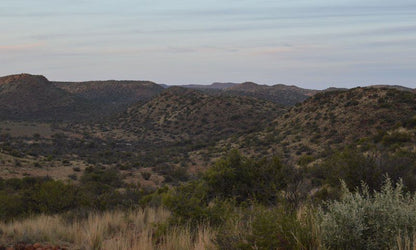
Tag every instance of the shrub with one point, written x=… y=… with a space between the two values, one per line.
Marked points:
x=260 y=227
x=146 y=175
x=110 y=177
x=352 y=167
x=11 y=206
x=396 y=137
x=52 y=197
x=191 y=205
x=362 y=220
x=243 y=179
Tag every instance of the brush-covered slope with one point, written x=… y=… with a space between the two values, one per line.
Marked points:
x=180 y=115
x=113 y=92
x=281 y=94
x=332 y=120
x=27 y=96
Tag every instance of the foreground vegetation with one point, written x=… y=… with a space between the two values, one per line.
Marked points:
x=360 y=220
x=239 y=203
x=337 y=171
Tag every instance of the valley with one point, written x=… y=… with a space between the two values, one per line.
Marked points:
x=85 y=147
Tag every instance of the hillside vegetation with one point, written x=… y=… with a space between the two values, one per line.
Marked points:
x=135 y=165
x=180 y=115
x=113 y=95
x=34 y=97
x=281 y=94
x=331 y=120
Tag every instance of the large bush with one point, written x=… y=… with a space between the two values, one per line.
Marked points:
x=277 y=227
x=191 y=205
x=244 y=179
x=365 y=220
x=234 y=179
x=355 y=167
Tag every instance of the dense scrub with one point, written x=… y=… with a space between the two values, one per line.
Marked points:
x=98 y=190
x=366 y=220
x=247 y=203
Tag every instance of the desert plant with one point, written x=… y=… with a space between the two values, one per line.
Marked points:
x=243 y=179
x=260 y=227
x=365 y=220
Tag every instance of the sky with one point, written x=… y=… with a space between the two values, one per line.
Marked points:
x=308 y=43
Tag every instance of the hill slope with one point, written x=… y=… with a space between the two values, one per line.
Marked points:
x=27 y=96
x=180 y=115
x=281 y=94
x=330 y=121
x=115 y=95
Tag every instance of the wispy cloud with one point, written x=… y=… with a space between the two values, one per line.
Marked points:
x=20 y=47
x=188 y=40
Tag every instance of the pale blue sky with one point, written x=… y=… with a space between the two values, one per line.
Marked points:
x=313 y=44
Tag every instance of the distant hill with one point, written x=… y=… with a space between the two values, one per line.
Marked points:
x=398 y=87
x=281 y=94
x=180 y=115
x=112 y=96
x=27 y=96
x=213 y=86
x=112 y=91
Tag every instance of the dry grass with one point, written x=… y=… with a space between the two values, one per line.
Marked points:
x=110 y=230
x=406 y=243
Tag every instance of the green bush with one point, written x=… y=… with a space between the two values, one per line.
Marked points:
x=362 y=220
x=234 y=179
x=11 y=206
x=354 y=167
x=22 y=197
x=237 y=177
x=190 y=204
x=260 y=227
x=351 y=166
x=110 y=177
x=396 y=137
x=97 y=191
x=52 y=197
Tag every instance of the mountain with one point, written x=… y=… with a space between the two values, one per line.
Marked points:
x=180 y=115
x=27 y=96
x=329 y=121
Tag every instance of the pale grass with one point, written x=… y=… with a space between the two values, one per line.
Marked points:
x=181 y=238
x=110 y=230
x=406 y=243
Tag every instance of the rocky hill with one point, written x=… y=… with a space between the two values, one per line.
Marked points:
x=181 y=115
x=27 y=96
x=329 y=121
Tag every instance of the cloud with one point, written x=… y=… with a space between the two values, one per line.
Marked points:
x=20 y=47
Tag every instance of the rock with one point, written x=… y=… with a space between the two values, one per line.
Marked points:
x=37 y=245
x=29 y=247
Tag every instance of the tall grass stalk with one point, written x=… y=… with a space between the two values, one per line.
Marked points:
x=110 y=230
